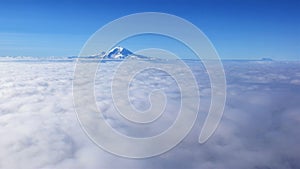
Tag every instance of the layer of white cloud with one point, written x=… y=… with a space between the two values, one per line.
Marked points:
x=259 y=129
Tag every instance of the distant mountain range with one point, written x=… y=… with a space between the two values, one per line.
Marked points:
x=120 y=53
x=116 y=53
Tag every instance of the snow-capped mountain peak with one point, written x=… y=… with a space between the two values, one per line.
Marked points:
x=118 y=53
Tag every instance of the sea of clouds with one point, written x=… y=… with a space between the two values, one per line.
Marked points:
x=259 y=129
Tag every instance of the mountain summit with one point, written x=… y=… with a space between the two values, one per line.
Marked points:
x=120 y=53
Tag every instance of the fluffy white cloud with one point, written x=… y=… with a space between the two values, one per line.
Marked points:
x=259 y=129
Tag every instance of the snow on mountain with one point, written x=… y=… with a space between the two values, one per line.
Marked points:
x=120 y=53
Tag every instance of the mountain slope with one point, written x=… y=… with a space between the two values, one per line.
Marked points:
x=121 y=53
x=118 y=53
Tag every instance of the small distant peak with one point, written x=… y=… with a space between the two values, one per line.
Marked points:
x=266 y=59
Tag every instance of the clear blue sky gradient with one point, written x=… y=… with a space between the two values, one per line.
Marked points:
x=239 y=29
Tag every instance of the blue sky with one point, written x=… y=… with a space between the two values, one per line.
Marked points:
x=248 y=29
